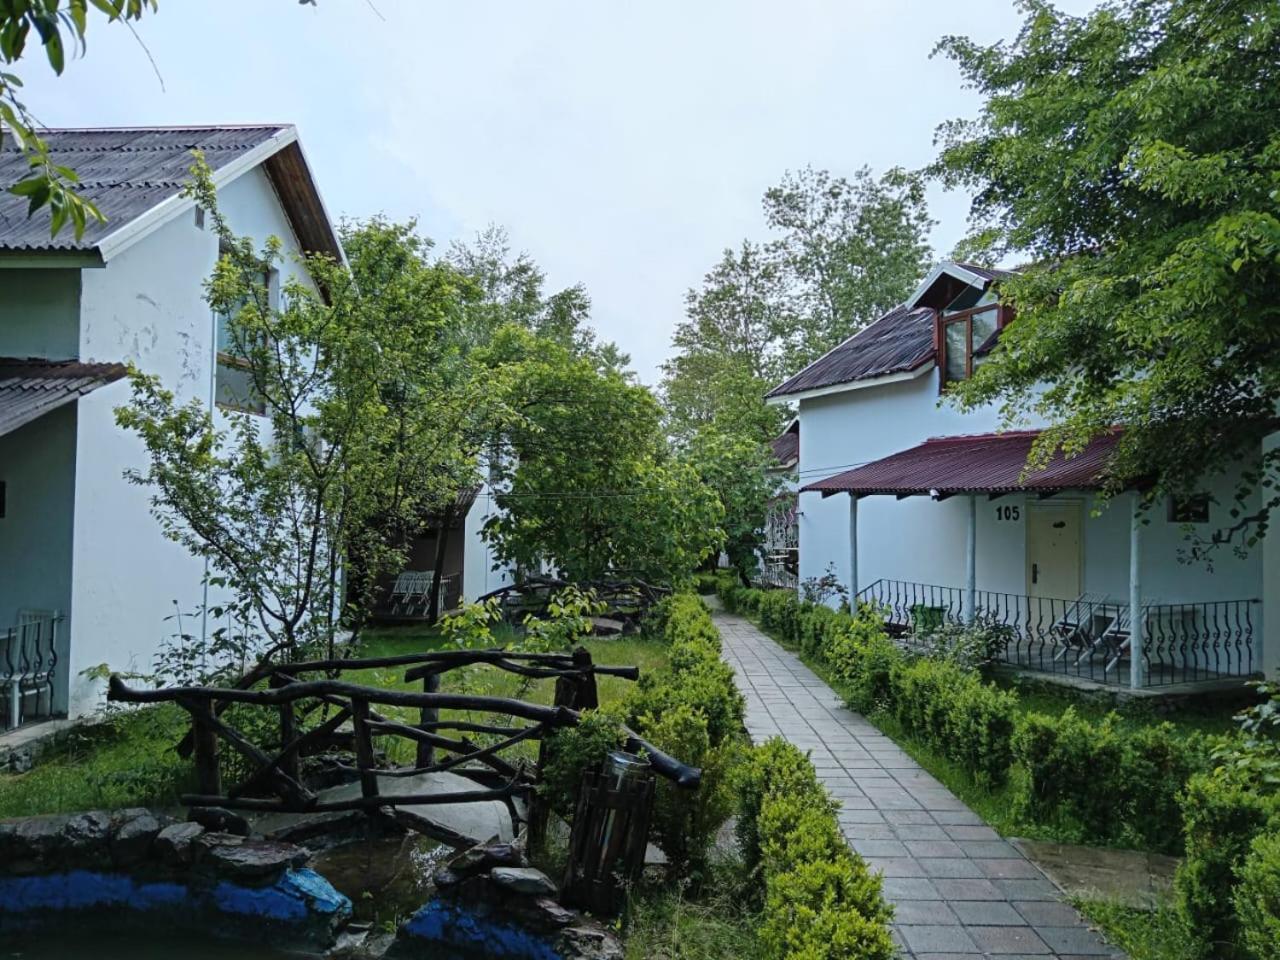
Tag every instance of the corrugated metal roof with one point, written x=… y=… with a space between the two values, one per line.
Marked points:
x=786 y=445
x=31 y=388
x=125 y=171
x=901 y=340
x=982 y=463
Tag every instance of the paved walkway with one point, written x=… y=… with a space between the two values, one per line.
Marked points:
x=958 y=889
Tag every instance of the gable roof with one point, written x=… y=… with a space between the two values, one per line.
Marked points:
x=901 y=341
x=135 y=176
x=31 y=388
x=978 y=463
x=786 y=445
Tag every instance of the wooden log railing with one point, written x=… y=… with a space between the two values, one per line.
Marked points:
x=286 y=688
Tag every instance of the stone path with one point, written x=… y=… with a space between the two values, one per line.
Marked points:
x=958 y=889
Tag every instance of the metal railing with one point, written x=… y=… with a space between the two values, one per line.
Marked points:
x=29 y=668
x=1088 y=637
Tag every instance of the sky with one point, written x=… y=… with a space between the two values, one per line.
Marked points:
x=623 y=146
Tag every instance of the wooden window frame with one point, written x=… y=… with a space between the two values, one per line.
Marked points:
x=942 y=321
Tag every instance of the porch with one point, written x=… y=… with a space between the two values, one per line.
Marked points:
x=1064 y=586
x=1088 y=638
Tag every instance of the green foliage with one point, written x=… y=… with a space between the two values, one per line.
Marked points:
x=1257 y=897
x=57 y=25
x=585 y=479
x=568 y=621
x=685 y=822
x=820 y=900
x=1100 y=782
x=573 y=750
x=1132 y=155
x=1223 y=813
x=668 y=923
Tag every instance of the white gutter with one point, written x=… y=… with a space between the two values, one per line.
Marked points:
x=851 y=385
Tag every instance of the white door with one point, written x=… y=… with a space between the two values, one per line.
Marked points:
x=1053 y=550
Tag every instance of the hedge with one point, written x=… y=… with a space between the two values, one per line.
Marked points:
x=820 y=900
x=1257 y=897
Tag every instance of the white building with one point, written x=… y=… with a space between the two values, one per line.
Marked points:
x=86 y=577
x=925 y=510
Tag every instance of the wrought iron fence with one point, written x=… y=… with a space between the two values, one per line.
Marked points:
x=29 y=668
x=1089 y=637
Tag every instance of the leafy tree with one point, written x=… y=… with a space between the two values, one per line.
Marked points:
x=852 y=248
x=1133 y=154
x=358 y=429
x=57 y=26
x=845 y=252
x=736 y=468
x=583 y=474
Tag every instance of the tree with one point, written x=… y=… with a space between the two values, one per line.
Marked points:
x=846 y=252
x=358 y=431
x=583 y=475
x=852 y=248
x=735 y=467
x=1133 y=154
x=57 y=25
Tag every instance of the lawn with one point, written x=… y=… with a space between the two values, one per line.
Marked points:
x=128 y=758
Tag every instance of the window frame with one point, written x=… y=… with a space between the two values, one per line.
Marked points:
x=271 y=280
x=965 y=316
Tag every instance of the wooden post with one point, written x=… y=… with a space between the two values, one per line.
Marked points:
x=205 y=740
x=586 y=697
x=426 y=717
x=290 y=765
x=364 y=747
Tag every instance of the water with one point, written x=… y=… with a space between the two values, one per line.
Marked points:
x=96 y=944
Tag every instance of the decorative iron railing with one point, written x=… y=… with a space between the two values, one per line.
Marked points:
x=775 y=575
x=29 y=674
x=1089 y=637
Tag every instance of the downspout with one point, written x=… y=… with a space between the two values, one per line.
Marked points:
x=971 y=563
x=1137 y=626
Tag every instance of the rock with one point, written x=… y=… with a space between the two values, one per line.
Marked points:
x=132 y=835
x=446 y=878
x=46 y=844
x=523 y=880
x=588 y=942
x=542 y=914
x=219 y=820
x=232 y=857
x=172 y=845
x=606 y=626
x=486 y=856
x=20 y=760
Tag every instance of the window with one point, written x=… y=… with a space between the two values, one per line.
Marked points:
x=965 y=337
x=233 y=388
x=1189 y=509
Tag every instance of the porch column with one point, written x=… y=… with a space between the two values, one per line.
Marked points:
x=971 y=562
x=853 y=552
x=1137 y=625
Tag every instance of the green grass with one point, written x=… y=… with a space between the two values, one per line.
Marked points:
x=1209 y=717
x=666 y=924
x=1143 y=934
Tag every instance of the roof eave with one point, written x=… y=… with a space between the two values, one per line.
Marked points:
x=945 y=267
x=850 y=385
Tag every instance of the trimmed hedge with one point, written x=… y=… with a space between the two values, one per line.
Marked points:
x=1223 y=814
x=820 y=900
x=1103 y=783
x=1257 y=897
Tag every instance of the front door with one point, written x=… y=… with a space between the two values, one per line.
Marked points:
x=1053 y=550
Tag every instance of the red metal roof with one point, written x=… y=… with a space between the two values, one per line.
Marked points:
x=31 y=388
x=980 y=463
x=786 y=445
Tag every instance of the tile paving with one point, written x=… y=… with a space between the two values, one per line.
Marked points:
x=959 y=890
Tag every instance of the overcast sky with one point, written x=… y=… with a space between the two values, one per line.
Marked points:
x=622 y=145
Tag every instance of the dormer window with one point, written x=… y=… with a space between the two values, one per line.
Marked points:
x=967 y=330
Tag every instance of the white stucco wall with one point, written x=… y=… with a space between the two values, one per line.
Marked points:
x=146 y=307
x=37 y=466
x=478 y=574
x=924 y=541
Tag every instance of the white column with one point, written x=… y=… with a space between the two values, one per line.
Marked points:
x=1137 y=625
x=853 y=551
x=971 y=562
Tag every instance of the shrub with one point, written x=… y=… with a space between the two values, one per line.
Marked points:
x=1257 y=897
x=572 y=750
x=1223 y=812
x=1102 y=783
x=820 y=900
x=685 y=822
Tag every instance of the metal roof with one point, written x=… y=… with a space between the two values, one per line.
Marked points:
x=981 y=463
x=129 y=171
x=31 y=388
x=901 y=340
x=786 y=445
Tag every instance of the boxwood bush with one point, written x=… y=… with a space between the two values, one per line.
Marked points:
x=1257 y=897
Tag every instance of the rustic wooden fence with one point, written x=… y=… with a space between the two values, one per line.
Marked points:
x=275 y=781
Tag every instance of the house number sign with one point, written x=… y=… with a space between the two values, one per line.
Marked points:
x=1008 y=512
